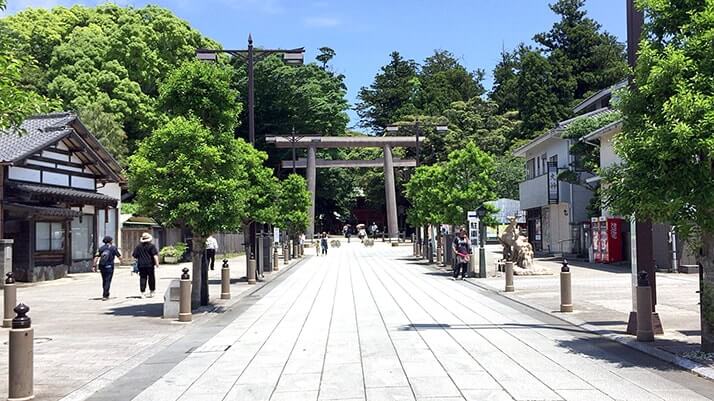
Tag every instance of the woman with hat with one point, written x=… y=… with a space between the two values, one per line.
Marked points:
x=147 y=259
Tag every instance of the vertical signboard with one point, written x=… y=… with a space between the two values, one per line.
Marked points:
x=553 y=195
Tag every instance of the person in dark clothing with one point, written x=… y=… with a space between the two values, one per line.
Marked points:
x=147 y=259
x=323 y=243
x=462 y=251
x=104 y=260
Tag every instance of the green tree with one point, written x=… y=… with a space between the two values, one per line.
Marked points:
x=443 y=80
x=479 y=121
x=293 y=203
x=505 y=82
x=203 y=90
x=17 y=100
x=581 y=52
x=326 y=54
x=667 y=141
x=444 y=192
x=390 y=96
x=109 y=55
x=508 y=174
x=108 y=131
x=185 y=174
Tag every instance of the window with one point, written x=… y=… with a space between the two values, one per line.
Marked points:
x=55 y=179
x=49 y=236
x=554 y=159
x=83 y=183
x=543 y=164
x=23 y=174
x=83 y=237
x=105 y=227
x=530 y=169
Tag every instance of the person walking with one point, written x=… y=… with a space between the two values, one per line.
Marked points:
x=347 y=231
x=462 y=250
x=323 y=242
x=211 y=248
x=147 y=259
x=104 y=260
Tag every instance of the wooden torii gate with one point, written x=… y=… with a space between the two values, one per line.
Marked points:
x=386 y=143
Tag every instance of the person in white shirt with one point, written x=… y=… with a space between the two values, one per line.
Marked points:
x=211 y=248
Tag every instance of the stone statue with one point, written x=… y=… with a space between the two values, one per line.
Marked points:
x=518 y=250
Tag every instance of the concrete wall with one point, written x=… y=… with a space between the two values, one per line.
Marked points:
x=556 y=228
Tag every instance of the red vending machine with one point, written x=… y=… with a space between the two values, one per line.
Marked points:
x=607 y=239
x=614 y=240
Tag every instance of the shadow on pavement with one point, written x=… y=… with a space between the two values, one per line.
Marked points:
x=505 y=326
x=233 y=280
x=144 y=310
x=439 y=273
x=615 y=353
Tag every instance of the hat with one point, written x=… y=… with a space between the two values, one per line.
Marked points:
x=146 y=237
x=107 y=239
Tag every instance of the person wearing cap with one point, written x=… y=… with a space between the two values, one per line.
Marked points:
x=147 y=259
x=104 y=260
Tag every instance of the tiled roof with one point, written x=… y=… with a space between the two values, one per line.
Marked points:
x=42 y=211
x=67 y=193
x=37 y=132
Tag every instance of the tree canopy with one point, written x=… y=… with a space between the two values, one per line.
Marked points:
x=293 y=203
x=667 y=141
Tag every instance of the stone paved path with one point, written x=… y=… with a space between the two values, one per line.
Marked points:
x=370 y=324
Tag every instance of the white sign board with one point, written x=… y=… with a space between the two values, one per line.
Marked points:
x=276 y=235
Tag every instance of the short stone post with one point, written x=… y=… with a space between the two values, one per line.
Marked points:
x=509 y=277
x=645 y=332
x=566 y=292
x=291 y=250
x=21 y=369
x=471 y=268
x=276 y=258
x=252 y=266
x=286 y=254
x=439 y=254
x=414 y=246
x=10 y=300
x=317 y=247
x=430 y=249
x=225 y=280
x=185 y=297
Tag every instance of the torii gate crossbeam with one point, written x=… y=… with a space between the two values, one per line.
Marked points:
x=312 y=143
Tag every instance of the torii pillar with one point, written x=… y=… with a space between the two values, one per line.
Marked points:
x=311 y=176
x=391 y=193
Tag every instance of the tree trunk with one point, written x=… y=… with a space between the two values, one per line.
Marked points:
x=706 y=273
x=197 y=251
x=247 y=245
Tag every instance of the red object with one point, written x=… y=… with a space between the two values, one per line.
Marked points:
x=607 y=239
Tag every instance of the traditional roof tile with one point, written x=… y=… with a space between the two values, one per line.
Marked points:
x=35 y=133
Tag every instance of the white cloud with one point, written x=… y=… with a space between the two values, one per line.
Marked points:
x=322 y=22
x=264 y=6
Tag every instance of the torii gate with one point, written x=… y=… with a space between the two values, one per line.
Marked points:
x=386 y=143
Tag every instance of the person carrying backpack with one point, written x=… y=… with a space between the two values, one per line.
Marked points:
x=147 y=259
x=104 y=260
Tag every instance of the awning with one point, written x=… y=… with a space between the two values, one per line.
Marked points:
x=45 y=193
x=41 y=211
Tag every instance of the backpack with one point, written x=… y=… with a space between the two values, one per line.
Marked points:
x=106 y=257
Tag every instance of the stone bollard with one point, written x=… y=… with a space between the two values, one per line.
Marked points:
x=317 y=248
x=291 y=250
x=430 y=249
x=225 y=280
x=276 y=259
x=20 y=383
x=252 y=266
x=185 y=297
x=509 y=277
x=439 y=255
x=286 y=254
x=10 y=300
x=471 y=267
x=645 y=332
x=566 y=292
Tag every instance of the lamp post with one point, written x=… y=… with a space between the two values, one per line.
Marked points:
x=417 y=127
x=290 y=56
x=481 y=214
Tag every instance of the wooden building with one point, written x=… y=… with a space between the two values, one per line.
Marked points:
x=60 y=191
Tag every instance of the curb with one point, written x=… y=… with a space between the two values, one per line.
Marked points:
x=628 y=341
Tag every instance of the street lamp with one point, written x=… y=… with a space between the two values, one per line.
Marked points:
x=290 y=56
x=481 y=214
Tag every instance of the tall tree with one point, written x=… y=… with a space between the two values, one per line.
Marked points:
x=443 y=80
x=17 y=99
x=505 y=82
x=109 y=55
x=578 y=49
x=667 y=139
x=390 y=96
x=205 y=91
x=326 y=54
x=105 y=127
x=185 y=174
x=293 y=202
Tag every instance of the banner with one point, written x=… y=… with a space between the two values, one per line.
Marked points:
x=553 y=193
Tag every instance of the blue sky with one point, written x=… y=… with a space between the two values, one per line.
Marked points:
x=364 y=32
